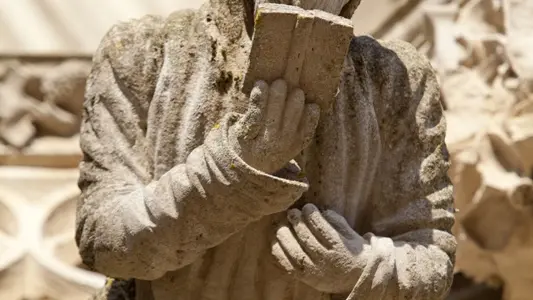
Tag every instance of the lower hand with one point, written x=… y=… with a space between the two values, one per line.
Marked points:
x=320 y=249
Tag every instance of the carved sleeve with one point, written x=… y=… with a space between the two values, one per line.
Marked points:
x=130 y=225
x=410 y=249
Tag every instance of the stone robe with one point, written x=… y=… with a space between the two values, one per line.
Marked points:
x=166 y=200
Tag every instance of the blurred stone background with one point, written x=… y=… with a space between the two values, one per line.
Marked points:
x=478 y=47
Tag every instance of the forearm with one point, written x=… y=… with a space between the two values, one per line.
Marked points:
x=416 y=262
x=216 y=194
x=409 y=254
x=191 y=208
x=404 y=270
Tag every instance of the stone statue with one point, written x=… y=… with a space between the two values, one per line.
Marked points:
x=193 y=190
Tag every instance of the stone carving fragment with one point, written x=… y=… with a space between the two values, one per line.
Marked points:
x=445 y=49
x=40 y=109
x=491 y=169
x=41 y=106
x=40 y=100
x=518 y=22
x=490 y=140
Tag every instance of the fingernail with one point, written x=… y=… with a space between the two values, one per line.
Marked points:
x=309 y=207
x=294 y=215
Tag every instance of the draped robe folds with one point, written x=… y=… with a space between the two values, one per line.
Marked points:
x=166 y=200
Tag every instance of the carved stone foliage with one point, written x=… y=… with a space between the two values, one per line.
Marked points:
x=482 y=52
x=41 y=105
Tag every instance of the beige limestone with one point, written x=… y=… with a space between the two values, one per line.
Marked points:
x=41 y=111
x=478 y=41
x=518 y=23
x=487 y=90
x=162 y=172
x=306 y=48
x=28 y=191
x=38 y=259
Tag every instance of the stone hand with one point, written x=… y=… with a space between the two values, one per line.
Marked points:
x=319 y=249
x=276 y=128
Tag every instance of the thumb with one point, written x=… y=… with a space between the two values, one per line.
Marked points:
x=253 y=119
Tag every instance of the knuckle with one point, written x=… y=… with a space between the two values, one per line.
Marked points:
x=279 y=81
x=279 y=85
x=261 y=84
x=298 y=94
x=298 y=103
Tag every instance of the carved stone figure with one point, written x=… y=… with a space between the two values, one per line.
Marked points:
x=192 y=189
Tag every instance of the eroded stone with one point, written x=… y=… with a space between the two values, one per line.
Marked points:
x=178 y=176
x=306 y=48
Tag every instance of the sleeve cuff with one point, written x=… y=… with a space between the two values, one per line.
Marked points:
x=266 y=193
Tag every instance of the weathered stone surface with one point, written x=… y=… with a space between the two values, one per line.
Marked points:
x=58 y=152
x=162 y=174
x=306 y=48
x=41 y=110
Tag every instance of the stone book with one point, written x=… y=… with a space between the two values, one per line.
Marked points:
x=305 y=47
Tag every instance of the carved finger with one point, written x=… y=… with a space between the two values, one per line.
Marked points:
x=320 y=227
x=288 y=242
x=281 y=258
x=253 y=120
x=276 y=105
x=340 y=224
x=307 y=239
x=293 y=112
